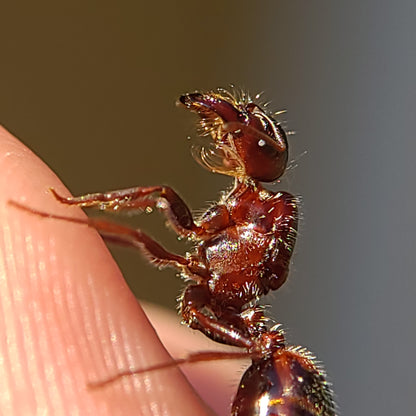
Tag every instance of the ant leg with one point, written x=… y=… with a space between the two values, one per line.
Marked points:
x=196 y=357
x=126 y=236
x=197 y=297
x=141 y=198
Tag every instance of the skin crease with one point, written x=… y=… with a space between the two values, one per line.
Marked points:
x=68 y=318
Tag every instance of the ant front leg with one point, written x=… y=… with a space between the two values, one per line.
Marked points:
x=141 y=198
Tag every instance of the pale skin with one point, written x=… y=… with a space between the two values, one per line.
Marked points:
x=68 y=318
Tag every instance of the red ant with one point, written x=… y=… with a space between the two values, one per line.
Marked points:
x=243 y=246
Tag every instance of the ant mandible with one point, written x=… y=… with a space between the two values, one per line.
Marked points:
x=243 y=245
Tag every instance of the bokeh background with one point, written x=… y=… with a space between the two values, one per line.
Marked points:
x=91 y=87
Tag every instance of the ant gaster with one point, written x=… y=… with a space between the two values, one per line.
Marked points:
x=243 y=245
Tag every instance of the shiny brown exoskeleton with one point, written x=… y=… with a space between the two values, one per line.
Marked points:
x=243 y=246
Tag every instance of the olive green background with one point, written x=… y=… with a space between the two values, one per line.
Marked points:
x=90 y=86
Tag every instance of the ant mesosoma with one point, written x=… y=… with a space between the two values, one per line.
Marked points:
x=243 y=245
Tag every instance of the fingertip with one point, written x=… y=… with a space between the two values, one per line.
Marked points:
x=68 y=315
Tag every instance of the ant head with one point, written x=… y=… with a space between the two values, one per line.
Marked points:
x=247 y=142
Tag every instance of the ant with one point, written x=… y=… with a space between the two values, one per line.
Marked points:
x=242 y=250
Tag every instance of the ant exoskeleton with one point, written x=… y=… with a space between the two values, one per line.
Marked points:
x=243 y=245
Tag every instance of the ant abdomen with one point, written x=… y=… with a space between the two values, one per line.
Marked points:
x=287 y=383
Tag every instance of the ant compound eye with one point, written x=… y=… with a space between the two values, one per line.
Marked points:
x=267 y=148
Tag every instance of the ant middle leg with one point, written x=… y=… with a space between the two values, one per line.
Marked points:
x=229 y=329
x=135 y=238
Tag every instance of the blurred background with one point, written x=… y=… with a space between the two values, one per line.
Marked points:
x=91 y=88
